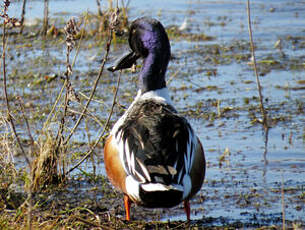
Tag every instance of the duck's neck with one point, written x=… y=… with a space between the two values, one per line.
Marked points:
x=152 y=75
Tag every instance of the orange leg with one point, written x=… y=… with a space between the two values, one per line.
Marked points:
x=127 y=204
x=187 y=209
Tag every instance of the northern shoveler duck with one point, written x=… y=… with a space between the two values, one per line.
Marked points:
x=152 y=153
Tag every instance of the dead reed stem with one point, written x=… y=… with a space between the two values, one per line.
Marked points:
x=259 y=88
x=54 y=106
x=9 y=116
x=110 y=6
x=88 y=115
x=125 y=11
x=45 y=18
x=266 y=151
x=99 y=10
x=21 y=104
x=125 y=5
x=71 y=30
x=283 y=203
x=22 y=16
x=89 y=146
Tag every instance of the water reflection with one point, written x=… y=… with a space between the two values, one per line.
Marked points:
x=266 y=131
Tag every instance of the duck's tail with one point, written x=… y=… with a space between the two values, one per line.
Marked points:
x=155 y=195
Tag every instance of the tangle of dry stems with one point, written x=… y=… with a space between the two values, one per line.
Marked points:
x=14 y=22
x=114 y=23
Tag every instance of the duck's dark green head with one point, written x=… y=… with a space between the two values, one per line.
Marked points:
x=148 y=40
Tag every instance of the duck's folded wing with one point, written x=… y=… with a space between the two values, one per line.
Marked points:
x=156 y=145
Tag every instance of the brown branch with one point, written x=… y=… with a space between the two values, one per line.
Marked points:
x=99 y=8
x=71 y=30
x=259 y=88
x=10 y=119
x=283 y=203
x=88 y=115
x=45 y=18
x=59 y=136
x=21 y=104
x=22 y=16
x=66 y=102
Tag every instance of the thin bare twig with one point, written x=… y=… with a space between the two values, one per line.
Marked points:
x=45 y=18
x=95 y=100
x=103 y=131
x=88 y=115
x=10 y=119
x=22 y=16
x=54 y=105
x=283 y=203
x=266 y=151
x=7 y=19
x=99 y=10
x=263 y=111
x=172 y=77
x=82 y=34
x=21 y=104
x=89 y=146
x=71 y=30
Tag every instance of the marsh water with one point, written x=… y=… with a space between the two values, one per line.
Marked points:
x=252 y=176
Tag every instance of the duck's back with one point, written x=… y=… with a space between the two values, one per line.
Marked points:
x=156 y=149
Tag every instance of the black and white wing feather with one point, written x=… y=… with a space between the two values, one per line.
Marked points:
x=156 y=144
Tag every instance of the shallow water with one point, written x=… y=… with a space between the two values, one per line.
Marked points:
x=249 y=180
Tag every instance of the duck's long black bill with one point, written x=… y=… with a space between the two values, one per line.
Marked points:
x=124 y=62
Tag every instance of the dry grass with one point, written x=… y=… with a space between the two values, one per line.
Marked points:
x=45 y=166
x=7 y=168
x=46 y=153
